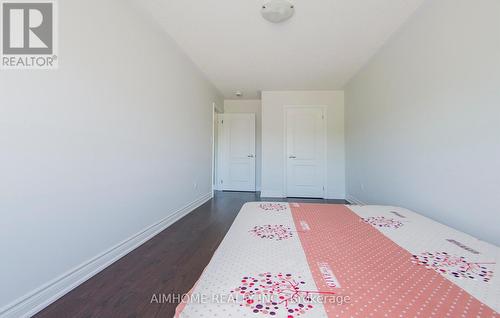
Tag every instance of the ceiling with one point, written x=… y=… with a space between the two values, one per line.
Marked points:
x=321 y=47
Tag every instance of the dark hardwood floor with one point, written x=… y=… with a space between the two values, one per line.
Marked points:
x=171 y=262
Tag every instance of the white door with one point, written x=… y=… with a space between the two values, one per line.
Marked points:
x=238 y=153
x=305 y=152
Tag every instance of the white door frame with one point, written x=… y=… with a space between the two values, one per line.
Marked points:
x=325 y=148
x=215 y=156
x=218 y=185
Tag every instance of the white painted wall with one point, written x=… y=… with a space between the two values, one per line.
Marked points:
x=98 y=150
x=423 y=118
x=250 y=106
x=273 y=139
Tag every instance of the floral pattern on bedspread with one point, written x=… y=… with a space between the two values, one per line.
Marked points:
x=381 y=221
x=276 y=295
x=272 y=206
x=457 y=266
x=275 y=232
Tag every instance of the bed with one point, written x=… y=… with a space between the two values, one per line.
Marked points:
x=316 y=260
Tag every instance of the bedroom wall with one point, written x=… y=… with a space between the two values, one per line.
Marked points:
x=250 y=106
x=98 y=151
x=423 y=118
x=273 y=139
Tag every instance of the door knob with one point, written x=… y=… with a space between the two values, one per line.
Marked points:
x=292 y=157
x=250 y=156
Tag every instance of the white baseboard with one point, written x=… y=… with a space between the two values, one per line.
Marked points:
x=42 y=297
x=354 y=200
x=271 y=194
x=338 y=196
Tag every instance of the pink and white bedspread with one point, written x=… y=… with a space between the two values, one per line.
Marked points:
x=315 y=260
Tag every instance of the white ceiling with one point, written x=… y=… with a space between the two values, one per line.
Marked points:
x=321 y=47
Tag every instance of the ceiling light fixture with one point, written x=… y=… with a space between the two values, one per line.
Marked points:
x=277 y=11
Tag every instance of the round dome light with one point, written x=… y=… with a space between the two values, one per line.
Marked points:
x=277 y=11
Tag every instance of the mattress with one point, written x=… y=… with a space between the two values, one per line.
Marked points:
x=318 y=260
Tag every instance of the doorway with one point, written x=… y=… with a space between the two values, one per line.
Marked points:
x=237 y=143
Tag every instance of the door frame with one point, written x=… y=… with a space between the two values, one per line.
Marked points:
x=325 y=147
x=215 y=150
